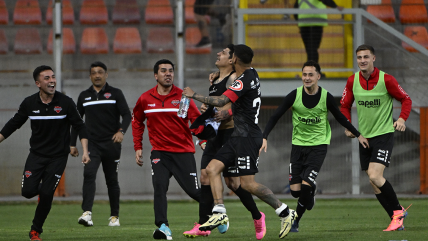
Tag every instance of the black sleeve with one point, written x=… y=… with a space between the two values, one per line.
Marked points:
x=124 y=111
x=76 y=121
x=16 y=121
x=329 y=3
x=332 y=107
x=285 y=105
x=81 y=111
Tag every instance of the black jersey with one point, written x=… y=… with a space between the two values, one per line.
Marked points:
x=245 y=94
x=50 y=124
x=219 y=88
x=102 y=113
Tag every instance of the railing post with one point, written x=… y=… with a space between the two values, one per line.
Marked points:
x=355 y=156
x=179 y=42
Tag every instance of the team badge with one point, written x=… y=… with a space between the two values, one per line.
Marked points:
x=289 y=178
x=107 y=95
x=57 y=109
x=155 y=161
x=28 y=174
x=237 y=85
x=175 y=102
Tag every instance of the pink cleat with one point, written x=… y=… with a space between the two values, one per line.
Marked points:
x=260 y=227
x=397 y=220
x=195 y=232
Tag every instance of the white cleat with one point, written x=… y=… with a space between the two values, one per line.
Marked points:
x=114 y=221
x=86 y=219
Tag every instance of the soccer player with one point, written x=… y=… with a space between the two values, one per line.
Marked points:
x=242 y=149
x=103 y=106
x=220 y=84
x=311 y=134
x=373 y=90
x=51 y=114
x=171 y=140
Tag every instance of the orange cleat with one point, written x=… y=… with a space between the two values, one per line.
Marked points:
x=34 y=235
x=397 y=220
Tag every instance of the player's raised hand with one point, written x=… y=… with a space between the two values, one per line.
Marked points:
x=400 y=125
x=213 y=76
x=139 y=157
x=264 y=146
x=188 y=92
x=204 y=107
x=364 y=142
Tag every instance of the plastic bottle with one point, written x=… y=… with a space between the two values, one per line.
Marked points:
x=184 y=106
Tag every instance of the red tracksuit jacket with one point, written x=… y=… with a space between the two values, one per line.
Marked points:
x=167 y=131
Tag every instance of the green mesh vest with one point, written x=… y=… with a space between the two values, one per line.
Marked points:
x=374 y=108
x=312 y=19
x=310 y=126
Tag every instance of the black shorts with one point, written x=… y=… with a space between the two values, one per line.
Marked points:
x=241 y=154
x=379 y=151
x=305 y=163
x=201 y=7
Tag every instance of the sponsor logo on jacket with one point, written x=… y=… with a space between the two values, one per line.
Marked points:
x=370 y=104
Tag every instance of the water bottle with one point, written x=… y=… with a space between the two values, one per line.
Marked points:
x=184 y=106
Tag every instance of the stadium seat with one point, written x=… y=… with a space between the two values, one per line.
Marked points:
x=193 y=36
x=418 y=34
x=384 y=12
x=126 y=12
x=160 y=40
x=3 y=42
x=413 y=11
x=67 y=12
x=27 y=41
x=4 y=14
x=159 y=12
x=94 y=41
x=189 y=15
x=68 y=42
x=93 y=12
x=27 y=12
x=127 y=41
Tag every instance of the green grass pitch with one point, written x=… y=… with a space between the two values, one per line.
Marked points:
x=336 y=219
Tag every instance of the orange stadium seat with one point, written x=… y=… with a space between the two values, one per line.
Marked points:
x=127 y=41
x=94 y=41
x=189 y=14
x=27 y=41
x=67 y=12
x=413 y=11
x=3 y=42
x=4 y=14
x=418 y=34
x=126 y=12
x=193 y=36
x=27 y=12
x=384 y=12
x=68 y=42
x=93 y=12
x=160 y=40
x=159 y=12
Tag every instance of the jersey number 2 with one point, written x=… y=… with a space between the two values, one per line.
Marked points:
x=256 y=103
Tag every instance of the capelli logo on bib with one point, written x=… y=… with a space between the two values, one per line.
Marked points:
x=370 y=104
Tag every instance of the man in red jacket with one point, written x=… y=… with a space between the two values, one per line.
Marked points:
x=373 y=91
x=171 y=140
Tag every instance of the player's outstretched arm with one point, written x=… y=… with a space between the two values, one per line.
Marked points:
x=211 y=100
x=139 y=157
x=400 y=124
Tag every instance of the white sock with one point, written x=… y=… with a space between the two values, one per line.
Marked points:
x=280 y=209
x=219 y=208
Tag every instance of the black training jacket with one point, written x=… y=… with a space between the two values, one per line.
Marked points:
x=102 y=113
x=50 y=124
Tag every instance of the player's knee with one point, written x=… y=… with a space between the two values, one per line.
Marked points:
x=214 y=168
x=295 y=194
x=233 y=185
x=376 y=180
x=28 y=193
x=305 y=195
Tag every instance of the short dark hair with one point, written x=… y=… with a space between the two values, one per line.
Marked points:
x=244 y=53
x=365 y=47
x=98 y=64
x=313 y=64
x=162 y=61
x=231 y=50
x=40 y=69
